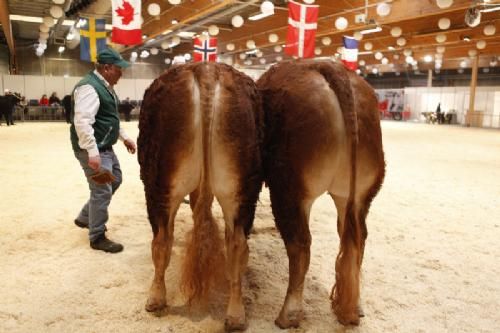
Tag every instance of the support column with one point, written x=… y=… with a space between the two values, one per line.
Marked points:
x=429 y=78
x=473 y=84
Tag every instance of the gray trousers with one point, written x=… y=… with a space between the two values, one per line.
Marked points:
x=95 y=211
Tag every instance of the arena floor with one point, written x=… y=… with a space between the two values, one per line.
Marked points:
x=431 y=263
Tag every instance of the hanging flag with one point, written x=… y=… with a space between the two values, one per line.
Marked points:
x=350 y=53
x=126 y=22
x=302 y=25
x=205 y=49
x=92 y=38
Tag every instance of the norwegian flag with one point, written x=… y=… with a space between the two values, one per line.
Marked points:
x=205 y=49
x=302 y=25
x=350 y=53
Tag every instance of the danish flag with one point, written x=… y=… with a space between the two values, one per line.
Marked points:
x=302 y=25
x=205 y=49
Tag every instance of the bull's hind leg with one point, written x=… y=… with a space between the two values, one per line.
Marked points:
x=162 y=219
x=352 y=231
x=292 y=219
x=238 y=218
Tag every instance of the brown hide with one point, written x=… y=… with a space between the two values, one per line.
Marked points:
x=200 y=134
x=322 y=134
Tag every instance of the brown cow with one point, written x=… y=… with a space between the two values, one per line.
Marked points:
x=322 y=133
x=200 y=133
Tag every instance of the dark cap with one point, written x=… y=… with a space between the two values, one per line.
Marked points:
x=110 y=56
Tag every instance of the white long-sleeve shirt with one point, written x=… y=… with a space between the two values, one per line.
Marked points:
x=86 y=107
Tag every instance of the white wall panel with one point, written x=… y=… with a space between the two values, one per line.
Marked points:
x=34 y=87
x=126 y=88
x=70 y=83
x=14 y=83
x=140 y=88
x=54 y=84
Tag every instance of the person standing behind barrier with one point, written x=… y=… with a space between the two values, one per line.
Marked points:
x=439 y=114
x=66 y=102
x=95 y=128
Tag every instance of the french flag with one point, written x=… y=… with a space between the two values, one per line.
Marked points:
x=350 y=53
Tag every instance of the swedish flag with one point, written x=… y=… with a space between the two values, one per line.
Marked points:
x=92 y=38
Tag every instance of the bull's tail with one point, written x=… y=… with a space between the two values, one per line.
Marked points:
x=345 y=292
x=204 y=258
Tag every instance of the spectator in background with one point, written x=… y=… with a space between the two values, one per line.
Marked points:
x=24 y=106
x=54 y=100
x=66 y=102
x=44 y=101
x=439 y=114
x=126 y=108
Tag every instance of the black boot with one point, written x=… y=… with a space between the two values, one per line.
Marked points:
x=81 y=224
x=104 y=244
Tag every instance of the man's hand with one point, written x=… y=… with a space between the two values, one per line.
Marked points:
x=130 y=146
x=95 y=162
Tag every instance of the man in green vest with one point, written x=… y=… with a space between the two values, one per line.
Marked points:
x=95 y=128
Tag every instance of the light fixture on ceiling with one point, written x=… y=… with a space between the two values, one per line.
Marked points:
x=266 y=9
x=371 y=30
x=473 y=16
x=466 y=38
x=490 y=8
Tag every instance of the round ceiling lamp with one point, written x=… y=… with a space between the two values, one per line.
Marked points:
x=317 y=51
x=441 y=38
x=237 y=21
x=56 y=11
x=444 y=3
x=362 y=62
x=383 y=9
x=472 y=53
x=379 y=55
x=358 y=36
x=481 y=44
x=242 y=56
x=326 y=41
x=279 y=58
x=44 y=28
x=395 y=57
x=440 y=49
x=154 y=9
x=368 y=46
x=444 y=23
x=277 y=48
x=273 y=38
x=154 y=51
x=396 y=32
x=262 y=61
x=44 y=35
x=385 y=61
x=213 y=30
x=401 y=41
x=407 y=52
x=168 y=61
x=259 y=53
x=48 y=21
x=164 y=45
x=489 y=30
x=341 y=23
x=267 y=7
x=250 y=44
x=309 y=2
x=230 y=47
x=176 y=40
x=187 y=56
x=174 y=2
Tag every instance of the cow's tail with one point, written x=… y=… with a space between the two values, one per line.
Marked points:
x=345 y=292
x=204 y=260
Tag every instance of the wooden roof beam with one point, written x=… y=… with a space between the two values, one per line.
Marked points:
x=7 y=29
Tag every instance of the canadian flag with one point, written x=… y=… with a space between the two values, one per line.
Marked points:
x=302 y=24
x=205 y=49
x=126 y=22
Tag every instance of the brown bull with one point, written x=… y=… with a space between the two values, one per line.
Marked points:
x=200 y=133
x=322 y=135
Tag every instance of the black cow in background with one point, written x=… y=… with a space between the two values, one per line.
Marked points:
x=7 y=104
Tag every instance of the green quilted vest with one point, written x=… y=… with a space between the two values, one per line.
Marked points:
x=107 y=121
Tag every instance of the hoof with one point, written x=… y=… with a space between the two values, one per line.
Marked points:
x=352 y=319
x=361 y=313
x=291 y=320
x=232 y=324
x=155 y=305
